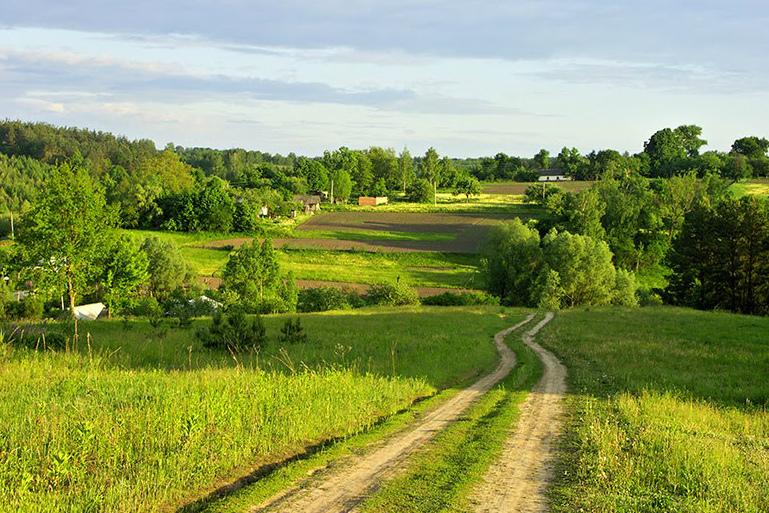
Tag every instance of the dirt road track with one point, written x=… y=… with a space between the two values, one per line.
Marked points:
x=341 y=490
x=518 y=481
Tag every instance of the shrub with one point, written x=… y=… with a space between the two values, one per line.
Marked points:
x=322 y=299
x=625 y=288
x=292 y=332
x=420 y=191
x=648 y=297
x=461 y=299
x=234 y=331
x=147 y=307
x=392 y=294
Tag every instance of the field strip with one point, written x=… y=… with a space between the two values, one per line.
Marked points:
x=518 y=480
x=343 y=490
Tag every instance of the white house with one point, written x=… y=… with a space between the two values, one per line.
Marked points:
x=553 y=175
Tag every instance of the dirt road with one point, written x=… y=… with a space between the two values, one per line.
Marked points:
x=341 y=490
x=518 y=481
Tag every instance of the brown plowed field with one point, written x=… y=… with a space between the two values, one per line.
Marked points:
x=469 y=230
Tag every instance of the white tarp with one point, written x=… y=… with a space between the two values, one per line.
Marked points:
x=89 y=312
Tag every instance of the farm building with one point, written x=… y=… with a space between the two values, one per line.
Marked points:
x=553 y=175
x=372 y=201
x=311 y=204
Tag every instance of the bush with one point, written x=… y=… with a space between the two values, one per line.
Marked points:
x=233 y=331
x=389 y=294
x=461 y=299
x=147 y=307
x=292 y=332
x=625 y=288
x=322 y=299
x=648 y=297
x=420 y=191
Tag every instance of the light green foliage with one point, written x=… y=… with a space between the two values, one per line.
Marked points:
x=253 y=274
x=406 y=172
x=625 y=288
x=542 y=159
x=586 y=273
x=468 y=186
x=584 y=212
x=430 y=170
x=67 y=230
x=392 y=294
x=667 y=413
x=342 y=185
x=511 y=261
x=124 y=271
x=167 y=269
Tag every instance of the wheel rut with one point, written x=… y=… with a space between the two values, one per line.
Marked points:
x=341 y=490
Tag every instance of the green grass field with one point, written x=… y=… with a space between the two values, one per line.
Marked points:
x=511 y=204
x=144 y=420
x=668 y=411
x=754 y=187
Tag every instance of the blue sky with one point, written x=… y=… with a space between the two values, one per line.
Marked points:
x=468 y=77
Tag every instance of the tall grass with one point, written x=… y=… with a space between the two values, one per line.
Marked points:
x=669 y=411
x=142 y=422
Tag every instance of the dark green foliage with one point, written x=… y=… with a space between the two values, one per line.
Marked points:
x=420 y=191
x=461 y=299
x=168 y=270
x=392 y=294
x=292 y=332
x=721 y=258
x=38 y=338
x=234 y=331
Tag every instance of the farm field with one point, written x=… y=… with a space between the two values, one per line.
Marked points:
x=146 y=419
x=485 y=203
x=668 y=411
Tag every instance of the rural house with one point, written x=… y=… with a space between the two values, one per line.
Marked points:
x=372 y=201
x=311 y=204
x=553 y=175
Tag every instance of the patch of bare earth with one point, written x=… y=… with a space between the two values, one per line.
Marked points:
x=341 y=489
x=517 y=482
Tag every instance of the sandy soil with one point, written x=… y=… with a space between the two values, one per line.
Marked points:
x=340 y=490
x=518 y=480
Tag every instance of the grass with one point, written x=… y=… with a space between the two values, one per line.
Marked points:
x=417 y=269
x=146 y=420
x=754 y=187
x=421 y=269
x=441 y=477
x=669 y=411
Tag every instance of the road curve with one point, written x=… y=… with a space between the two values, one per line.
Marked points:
x=517 y=482
x=341 y=490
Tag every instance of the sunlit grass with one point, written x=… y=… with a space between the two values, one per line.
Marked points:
x=143 y=420
x=669 y=411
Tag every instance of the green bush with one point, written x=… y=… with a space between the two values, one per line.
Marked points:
x=322 y=299
x=147 y=307
x=392 y=294
x=234 y=331
x=292 y=332
x=461 y=299
x=420 y=191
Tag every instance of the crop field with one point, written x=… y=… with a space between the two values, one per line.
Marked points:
x=668 y=412
x=145 y=419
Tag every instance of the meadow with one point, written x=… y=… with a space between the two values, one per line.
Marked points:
x=668 y=411
x=145 y=419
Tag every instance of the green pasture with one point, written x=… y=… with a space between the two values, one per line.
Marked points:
x=668 y=411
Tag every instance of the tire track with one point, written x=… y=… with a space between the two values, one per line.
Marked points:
x=341 y=490
x=517 y=482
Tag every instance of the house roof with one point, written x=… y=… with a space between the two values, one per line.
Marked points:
x=553 y=171
x=307 y=199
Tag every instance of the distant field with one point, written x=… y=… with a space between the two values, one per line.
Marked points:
x=143 y=420
x=519 y=188
x=668 y=412
x=755 y=187
x=487 y=202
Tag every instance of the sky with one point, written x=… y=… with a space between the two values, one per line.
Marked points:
x=468 y=77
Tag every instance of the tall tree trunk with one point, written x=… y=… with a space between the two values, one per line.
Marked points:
x=71 y=295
